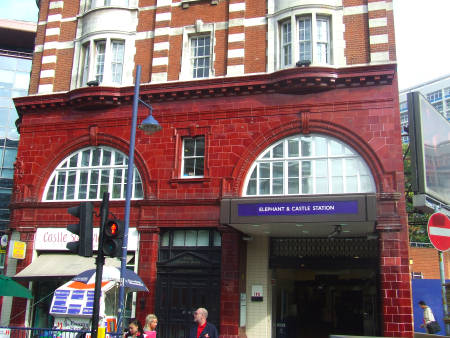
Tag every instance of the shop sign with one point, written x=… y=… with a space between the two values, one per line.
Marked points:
x=17 y=249
x=257 y=293
x=5 y=332
x=55 y=239
x=298 y=208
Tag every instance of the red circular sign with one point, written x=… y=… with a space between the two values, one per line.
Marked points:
x=439 y=231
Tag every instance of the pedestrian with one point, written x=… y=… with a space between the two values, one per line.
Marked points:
x=429 y=323
x=203 y=329
x=134 y=330
x=151 y=321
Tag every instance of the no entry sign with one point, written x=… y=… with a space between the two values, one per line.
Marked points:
x=439 y=231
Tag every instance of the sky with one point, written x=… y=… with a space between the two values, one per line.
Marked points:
x=422 y=29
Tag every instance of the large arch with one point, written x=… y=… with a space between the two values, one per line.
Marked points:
x=87 y=140
x=278 y=132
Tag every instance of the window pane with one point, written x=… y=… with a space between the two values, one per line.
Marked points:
x=199 y=166
x=189 y=147
x=71 y=185
x=336 y=167
x=351 y=184
x=278 y=151
x=293 y=149
x=264 y=187
x=203 y=238
x=321 y=146
x=217 y=239
x=51 y=189
x=307 y=186
x=178 y=238
x=117 y=60
x=10 y=157
x=306 y=147
x=100 y=60
x=351 y=167
x=85 y=158
x=200 y=146
x=321 y=168
x=306 y=168
x=293 y=169
x=278 y=170
x=189 y=165
x=118 y=158
x=73 y=162
x=165 y=239
x=293 y=184
x=93 y=186
x=322 y=185
x=277 y=186
x=251 y=187
x=337 y=185
x=106 y=161
x=86 y=56
x=191 y=238
x=264 y=170
x=96 y=157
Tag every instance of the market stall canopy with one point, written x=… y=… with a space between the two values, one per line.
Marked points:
x=8 y=287
x=61 y=266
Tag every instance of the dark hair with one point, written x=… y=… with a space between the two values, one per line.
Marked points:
x=422 y=303
x=138 y=324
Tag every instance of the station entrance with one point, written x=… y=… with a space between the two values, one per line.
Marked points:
x=325 y=286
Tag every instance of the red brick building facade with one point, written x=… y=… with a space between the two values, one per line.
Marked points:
x=265 y=106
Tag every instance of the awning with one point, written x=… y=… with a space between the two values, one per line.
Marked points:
x=61 y=266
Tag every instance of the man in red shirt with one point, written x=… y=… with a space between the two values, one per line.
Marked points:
x=203 y=329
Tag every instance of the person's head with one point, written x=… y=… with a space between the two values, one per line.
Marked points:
x=422 y=304
x=151 y=321
x=200 y=315
x=134 y=327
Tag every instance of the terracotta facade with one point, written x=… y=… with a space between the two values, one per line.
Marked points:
x=239 y=116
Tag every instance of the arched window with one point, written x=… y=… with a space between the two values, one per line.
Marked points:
x=87 y=173
x=307 y=165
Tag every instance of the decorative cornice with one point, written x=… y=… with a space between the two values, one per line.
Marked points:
x=299 y=81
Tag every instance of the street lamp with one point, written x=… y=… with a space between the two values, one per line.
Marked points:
x=149 y=126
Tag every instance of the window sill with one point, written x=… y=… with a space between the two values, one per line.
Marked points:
x=175 y=181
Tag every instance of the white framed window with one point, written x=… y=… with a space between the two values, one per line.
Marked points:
x=99 y=60
x=193 y=157
x=91 y=4
x=323 y=39
x=197 y=58
x=308 y=165
x=87 y=173
x=86 y=60
x=434 y=96
x=304 y=37
x=118 y=48
x=105 y=64
x=286 y=44
x=200 y=55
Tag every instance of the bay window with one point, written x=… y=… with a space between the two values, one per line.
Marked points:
x=313 y=40
x=105 y=64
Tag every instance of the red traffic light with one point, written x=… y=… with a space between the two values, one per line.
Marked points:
x=113 y=228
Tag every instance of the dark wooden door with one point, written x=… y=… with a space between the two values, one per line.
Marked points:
x=179 y=295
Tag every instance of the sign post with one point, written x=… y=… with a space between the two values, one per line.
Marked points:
x=439 y=235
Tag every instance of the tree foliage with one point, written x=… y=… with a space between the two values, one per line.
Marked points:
x=417 y=220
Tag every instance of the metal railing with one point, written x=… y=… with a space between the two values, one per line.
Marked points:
x=33 y=332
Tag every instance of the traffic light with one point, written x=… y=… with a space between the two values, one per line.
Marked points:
x=113 y=238
x=82 y=247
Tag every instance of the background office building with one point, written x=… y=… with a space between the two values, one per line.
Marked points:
x=273 y=196
x=16 y=51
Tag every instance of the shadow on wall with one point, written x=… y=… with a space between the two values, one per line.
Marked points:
x=428 y=290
